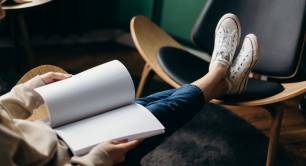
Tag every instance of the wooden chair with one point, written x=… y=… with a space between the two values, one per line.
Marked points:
x=41 y=112
x=171 y=62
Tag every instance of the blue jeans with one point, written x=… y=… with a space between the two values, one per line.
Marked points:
x=173 y=108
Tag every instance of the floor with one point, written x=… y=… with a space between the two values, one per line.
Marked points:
x=75 y=58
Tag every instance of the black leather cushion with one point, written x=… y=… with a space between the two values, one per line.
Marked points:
x=256 y=89
x=183 y=67
x=278 y=24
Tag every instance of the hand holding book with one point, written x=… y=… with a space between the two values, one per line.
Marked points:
x=115 y=149
x=51 y=77
x=100 y=104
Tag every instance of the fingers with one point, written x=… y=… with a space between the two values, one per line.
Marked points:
x=119 y=142
x=60 y=76
x=129 y=145
x=54 y=76
x=125 y=144
x=118 y=149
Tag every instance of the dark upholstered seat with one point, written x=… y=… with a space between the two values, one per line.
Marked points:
x=256 y=89
x=182 y=66
x=189 y=68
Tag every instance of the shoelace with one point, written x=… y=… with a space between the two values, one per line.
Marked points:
x=226 y=44
x=244 y=53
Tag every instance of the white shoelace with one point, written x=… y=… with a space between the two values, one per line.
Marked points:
x=239 y=65
x=226 y=44
x=225 y=47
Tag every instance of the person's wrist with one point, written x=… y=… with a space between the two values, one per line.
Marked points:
x=35 y=82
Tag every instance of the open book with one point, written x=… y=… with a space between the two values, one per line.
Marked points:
x=97 y=105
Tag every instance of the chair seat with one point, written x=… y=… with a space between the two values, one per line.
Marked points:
x=184 y=67
x=256 y=89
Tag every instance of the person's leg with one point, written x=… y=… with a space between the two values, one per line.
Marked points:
x=154 y=97
x=175 y=108
x=180 y=106
x=172 y=111
x=183 y=103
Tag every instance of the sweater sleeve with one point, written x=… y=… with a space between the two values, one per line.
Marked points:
x=22 y=99
x=96 y=157
x=28 y=142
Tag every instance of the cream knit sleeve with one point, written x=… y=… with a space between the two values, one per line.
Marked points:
x=22 y=99
x=34 y=142
x=96 y=157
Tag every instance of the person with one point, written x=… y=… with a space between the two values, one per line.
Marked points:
x=34 y=143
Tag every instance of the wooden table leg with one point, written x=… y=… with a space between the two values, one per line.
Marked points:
x=25 y=39
x=25 y=58
x=277 y=116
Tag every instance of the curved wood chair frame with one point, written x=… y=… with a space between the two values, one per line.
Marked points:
x=41 y=112
x=149 y=38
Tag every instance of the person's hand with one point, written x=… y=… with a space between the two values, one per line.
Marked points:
x=117 y=150
x=50 y=77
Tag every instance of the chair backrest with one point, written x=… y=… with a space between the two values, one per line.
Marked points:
x=278 y=24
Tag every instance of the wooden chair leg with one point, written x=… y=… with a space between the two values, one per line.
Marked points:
x=146 y=76
x=277 y=116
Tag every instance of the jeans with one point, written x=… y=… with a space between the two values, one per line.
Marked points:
x=173 y=108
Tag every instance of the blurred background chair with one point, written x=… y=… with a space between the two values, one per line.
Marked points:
x=280 y=28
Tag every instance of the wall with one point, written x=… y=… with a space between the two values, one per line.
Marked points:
x=129 y=8
x=176 y=16
x=78 y=16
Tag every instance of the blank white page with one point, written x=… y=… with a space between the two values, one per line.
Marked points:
x=88 y=93
x=130 y=122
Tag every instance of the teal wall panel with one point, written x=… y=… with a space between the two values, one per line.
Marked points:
x=175 y=16
x=129 y=8
x=178 y=16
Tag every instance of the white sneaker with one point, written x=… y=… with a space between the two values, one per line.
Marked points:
x=242 y=65
x=227 y=36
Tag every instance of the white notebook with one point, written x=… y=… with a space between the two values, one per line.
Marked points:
x=97 y=105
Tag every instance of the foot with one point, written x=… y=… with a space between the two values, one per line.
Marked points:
x=242 y=65
x=227 y=36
